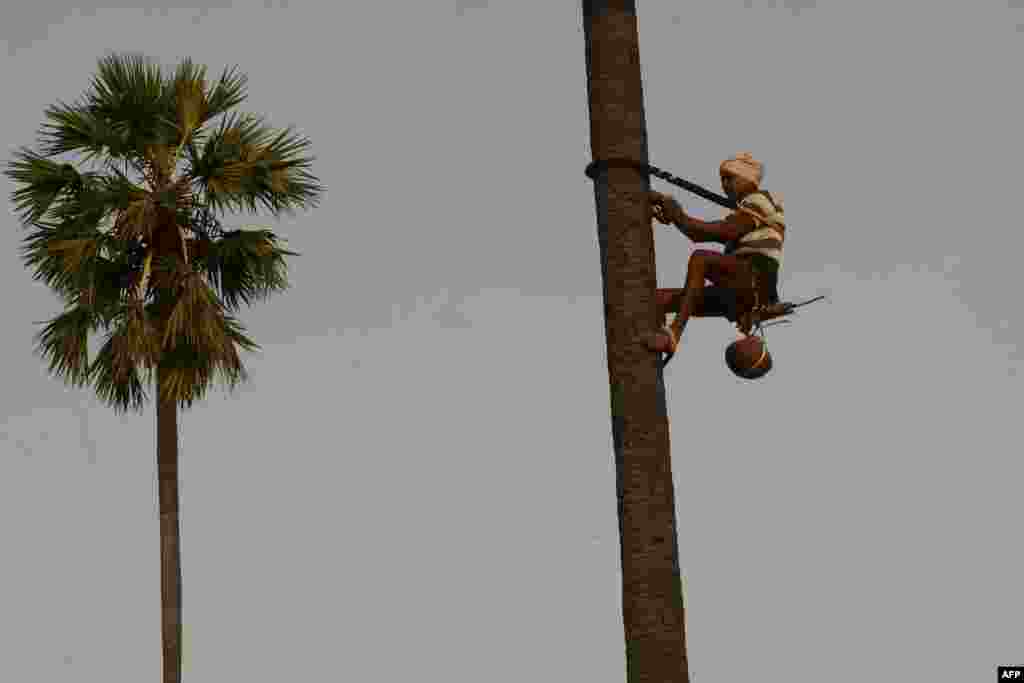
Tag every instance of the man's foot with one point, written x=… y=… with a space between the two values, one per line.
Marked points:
x=674 y=331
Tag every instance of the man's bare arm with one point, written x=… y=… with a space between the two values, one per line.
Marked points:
x=724 y=231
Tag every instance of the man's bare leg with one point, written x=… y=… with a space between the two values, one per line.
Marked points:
x=703 y=264
x=668 y=301
x=667 y=339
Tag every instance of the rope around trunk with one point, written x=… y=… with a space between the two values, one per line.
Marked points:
x=596 y=166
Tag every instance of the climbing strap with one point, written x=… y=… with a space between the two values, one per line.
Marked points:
x=596 y=166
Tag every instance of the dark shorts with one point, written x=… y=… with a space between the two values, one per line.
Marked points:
x=763 y=264
x=766 y=271
x=720 y=301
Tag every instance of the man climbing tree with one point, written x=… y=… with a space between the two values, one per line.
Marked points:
x=744 y=275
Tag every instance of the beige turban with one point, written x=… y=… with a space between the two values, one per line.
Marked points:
x=743 y=166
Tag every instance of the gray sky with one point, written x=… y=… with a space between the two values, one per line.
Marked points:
x=449 y=512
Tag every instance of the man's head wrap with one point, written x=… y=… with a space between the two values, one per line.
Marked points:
x=744 y=166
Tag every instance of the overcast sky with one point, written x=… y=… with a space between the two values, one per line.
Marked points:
x=418 y=485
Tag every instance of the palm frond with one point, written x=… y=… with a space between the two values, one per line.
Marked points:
x=110 y=280
x=246 y=266
x=64 y=257
x=187 y=372
x=196 y=317
x=196 y=104
x=67 y=249
x=127 y=360
x=126 y=109
x=74 y=127
x=63 y=194
x=244 y=165
x=227 y=94
x=129 y=92
x=135 y=221
x=75 y=253
x=131 y=206
x=200 y=341
x=190 y=98
x=43 y=181
x=121 y=389
x=64 y=344
x=185 y=375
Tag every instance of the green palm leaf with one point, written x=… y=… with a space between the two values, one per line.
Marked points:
x=43 y=181
x=64 y=344
x=127 y=358
x=246 y=266
x=244 y=165
x=188 y=371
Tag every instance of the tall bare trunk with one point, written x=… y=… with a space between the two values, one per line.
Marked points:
x=652 y=601
x=170 y=548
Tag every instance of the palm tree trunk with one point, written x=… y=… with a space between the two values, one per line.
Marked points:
x=652 y=600
x=170 y=549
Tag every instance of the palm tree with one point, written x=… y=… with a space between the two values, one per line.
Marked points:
x=652 y=602
x=136 y=250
